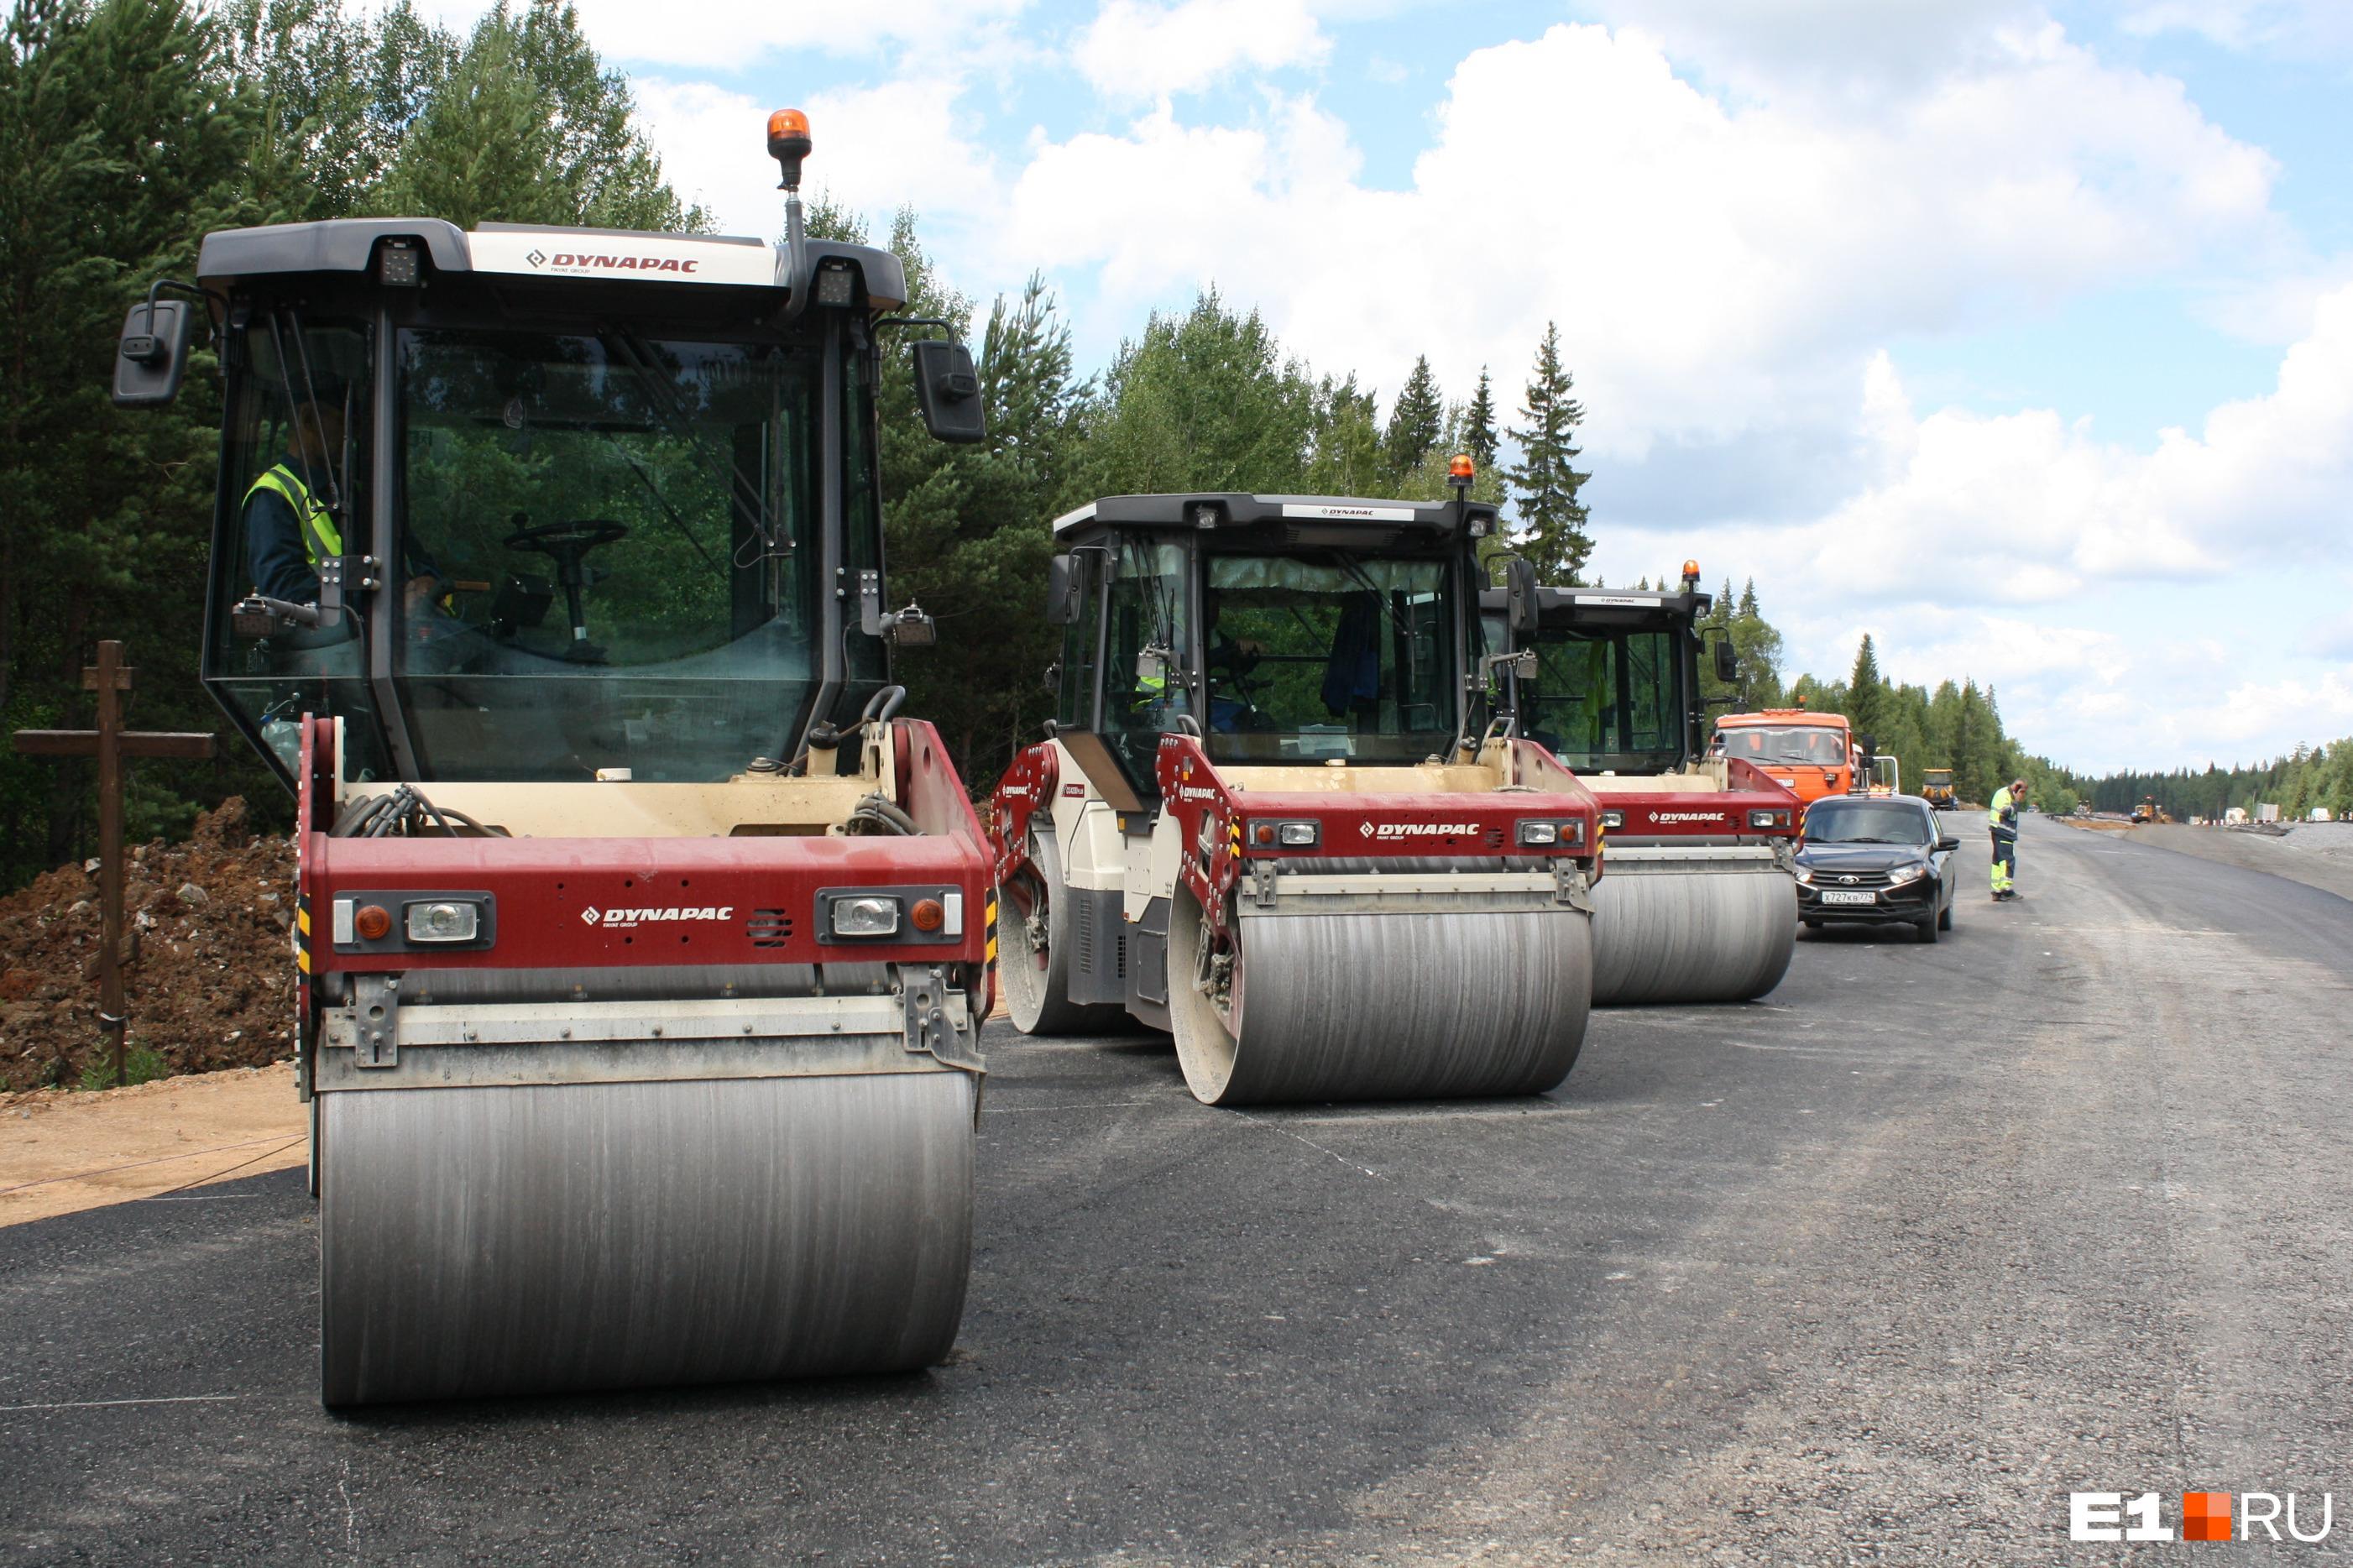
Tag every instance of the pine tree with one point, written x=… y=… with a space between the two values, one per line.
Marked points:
x=1545 y=483
x=1478 y=436
x=1414 y=424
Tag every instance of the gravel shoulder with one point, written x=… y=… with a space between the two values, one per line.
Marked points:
x=63 y=1151
x=2318 y=855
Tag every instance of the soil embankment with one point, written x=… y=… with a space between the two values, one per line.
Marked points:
x=210 y=976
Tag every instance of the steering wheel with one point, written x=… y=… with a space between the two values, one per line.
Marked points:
x=560 y=539
x=566 y=542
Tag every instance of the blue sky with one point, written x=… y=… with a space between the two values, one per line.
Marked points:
x=2019 y=334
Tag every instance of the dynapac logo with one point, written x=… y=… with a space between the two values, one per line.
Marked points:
x=591 y=261
x=1417 y=829
x=611 y=918
x=1686 y=816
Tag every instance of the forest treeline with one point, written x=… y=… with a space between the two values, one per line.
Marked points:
x=135 y=126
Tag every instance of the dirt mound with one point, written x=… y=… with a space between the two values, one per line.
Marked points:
x=212 y=982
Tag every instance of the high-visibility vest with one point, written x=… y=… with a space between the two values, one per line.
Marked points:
x=2001 y=803
x=320 y=538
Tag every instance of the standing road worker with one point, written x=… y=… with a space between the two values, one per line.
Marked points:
x=2002 y=818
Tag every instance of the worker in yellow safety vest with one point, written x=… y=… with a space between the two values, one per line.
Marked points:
x=2001 y=817
x=288 y=528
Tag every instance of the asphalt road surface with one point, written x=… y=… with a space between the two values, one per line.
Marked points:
x=1880 y=1269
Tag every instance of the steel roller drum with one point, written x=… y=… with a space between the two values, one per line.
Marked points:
x=1671 y=933
x=486 y=1240
x=1036 y=996
x=1408 y=1006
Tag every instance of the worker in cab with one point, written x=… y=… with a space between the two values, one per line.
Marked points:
x=2001 y=817
x=288 y=528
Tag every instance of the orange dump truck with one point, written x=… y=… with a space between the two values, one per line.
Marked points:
x=1811 y=754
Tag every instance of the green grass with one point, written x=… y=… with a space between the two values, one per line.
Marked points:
x=141 y=1064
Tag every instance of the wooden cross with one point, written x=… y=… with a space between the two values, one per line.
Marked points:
x=110 y=744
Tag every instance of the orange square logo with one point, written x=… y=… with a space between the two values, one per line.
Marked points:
x=2205 y=1516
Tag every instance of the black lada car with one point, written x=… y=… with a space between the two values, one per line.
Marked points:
x=1876 y=860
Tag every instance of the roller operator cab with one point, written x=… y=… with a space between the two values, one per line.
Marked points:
x=1267 y=821
x=642 y=946
x=1700 y=904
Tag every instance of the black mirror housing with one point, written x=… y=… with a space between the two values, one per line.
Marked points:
x=1728 y=660
x=1948 y=842
x=947 y=389
x=152 y=357
x=1061 y=591
x=1519 y=596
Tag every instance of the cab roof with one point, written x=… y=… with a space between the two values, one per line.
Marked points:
x=233 y=256
x=1215 y=509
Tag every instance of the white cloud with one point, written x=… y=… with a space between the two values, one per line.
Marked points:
x=877 y=148
x=1138 y=50
x=1715 y=268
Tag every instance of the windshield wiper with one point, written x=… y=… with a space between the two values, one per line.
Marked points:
x=663 y=399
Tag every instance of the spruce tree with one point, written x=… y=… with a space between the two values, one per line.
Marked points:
x=1478 y=436
x=1414 y=424
x=1546 y=482
x=1867 y=694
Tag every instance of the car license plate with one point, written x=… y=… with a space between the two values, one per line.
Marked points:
x=1836 y=896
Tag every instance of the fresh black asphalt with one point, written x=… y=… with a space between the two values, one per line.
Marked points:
x=1878 y=1270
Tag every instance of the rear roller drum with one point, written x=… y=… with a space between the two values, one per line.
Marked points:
x=1032 y=944
x=524 y=1239
x=1423 y=1005
x=1691 y=936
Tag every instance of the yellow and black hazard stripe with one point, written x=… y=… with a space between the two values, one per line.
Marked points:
x=989 y=949
x=303 y=933
x=1234 y=830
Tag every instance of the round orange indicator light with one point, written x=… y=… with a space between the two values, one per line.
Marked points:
x=1690 y=568
x=926 y=915
x=1460 y=467
x=788 y=122
x=1263 y=833
x=372 y=921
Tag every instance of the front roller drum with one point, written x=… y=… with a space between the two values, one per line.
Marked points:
x=1034 y=950
x=1409 y=1006
x=514 y=1239
x=1712 y=935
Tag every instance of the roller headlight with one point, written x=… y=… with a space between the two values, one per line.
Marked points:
x=871 y=915
x=1551 y=834
x=1268 y=833
x=1613 y=819
x=444 y=920
x=1768 y=820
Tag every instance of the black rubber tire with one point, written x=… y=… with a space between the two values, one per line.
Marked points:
x=1944 y=920
x=1037 y=998
x=1927 y=928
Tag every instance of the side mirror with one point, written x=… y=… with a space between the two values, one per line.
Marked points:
x=1948 y=842
x=1727 y=661
x=1152 y=667
x=1519 y=596
x=1061 y=591
x=947 y=389
x=153 y=355
x=1866 y=745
